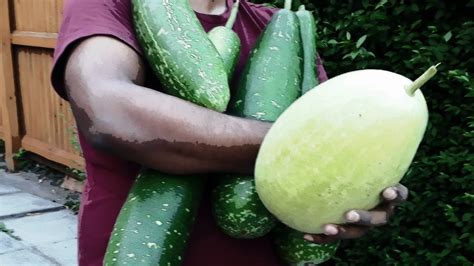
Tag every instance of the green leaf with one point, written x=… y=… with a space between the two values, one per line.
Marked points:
x=381 y=4
x=361 y=40
x=348 y=35
x=447 y=36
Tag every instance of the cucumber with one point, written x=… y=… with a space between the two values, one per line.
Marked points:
x=308 y=38
x=180 y=53
x=155 y=221
x=270 y=82
x=237 y=210
x=227 y=42
x=296 y=251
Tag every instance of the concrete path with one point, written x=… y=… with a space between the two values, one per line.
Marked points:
x=34 y=230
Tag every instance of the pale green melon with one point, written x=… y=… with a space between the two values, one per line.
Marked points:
x=337 y=147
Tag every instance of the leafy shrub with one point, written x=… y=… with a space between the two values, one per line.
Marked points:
x=436 y=225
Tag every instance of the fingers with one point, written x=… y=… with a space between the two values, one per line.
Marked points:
x=368 y=218
x=351 y=231
x=320 y=239
x=396 y=194
x=338 y=232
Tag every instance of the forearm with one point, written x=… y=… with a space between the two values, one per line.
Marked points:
x=166 y=133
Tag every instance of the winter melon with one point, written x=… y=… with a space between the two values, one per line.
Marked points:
x=338 y=146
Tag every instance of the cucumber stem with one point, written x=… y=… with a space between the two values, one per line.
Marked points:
x=302 y=8
x=288 y=4
x=233 y=15
x=422 y=80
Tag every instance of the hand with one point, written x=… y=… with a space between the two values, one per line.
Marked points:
x=359 y=222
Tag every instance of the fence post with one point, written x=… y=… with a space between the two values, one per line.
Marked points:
x=8 y=99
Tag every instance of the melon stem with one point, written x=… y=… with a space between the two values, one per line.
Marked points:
x=233 y=15
x=288 y=4
x=410 y=89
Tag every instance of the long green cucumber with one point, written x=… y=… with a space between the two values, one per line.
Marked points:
x=296 y=251
x=308 y=38
x=156 y=220
x=270 y=82
x=227 y=42
x=180 y=53
x=154 y=223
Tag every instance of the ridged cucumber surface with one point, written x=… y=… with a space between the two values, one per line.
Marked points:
x=180 y=53
x=296 y=251
x=227 y=42
x=270 y=82
x=308 y=38
x=155 y=221
x=237 y=211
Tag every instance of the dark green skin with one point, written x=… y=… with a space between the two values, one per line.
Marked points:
x=180 y=53
x=272 y=78
x=308 y=37
x=296 y=251
x=271 y=81
x=189 y=66
x=237 y=211
x=156 y=220
x=227 y=44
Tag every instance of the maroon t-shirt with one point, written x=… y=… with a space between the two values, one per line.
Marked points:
x=110 y=178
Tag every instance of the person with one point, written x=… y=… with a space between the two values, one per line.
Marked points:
x=125 y=121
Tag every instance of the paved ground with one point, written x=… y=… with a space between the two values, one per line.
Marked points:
x=35 y=228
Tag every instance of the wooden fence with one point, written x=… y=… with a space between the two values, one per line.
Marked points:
x=32 y=116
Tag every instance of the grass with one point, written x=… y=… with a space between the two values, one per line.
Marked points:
x=7 y=231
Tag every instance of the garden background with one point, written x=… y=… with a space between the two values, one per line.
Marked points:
x=436 y=225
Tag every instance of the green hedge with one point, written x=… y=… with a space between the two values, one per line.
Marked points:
x=436 y=225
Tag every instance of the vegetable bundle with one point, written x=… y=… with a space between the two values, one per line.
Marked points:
x=155 y=222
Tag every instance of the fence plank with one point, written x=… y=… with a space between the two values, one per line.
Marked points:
x=35 y=39
x=52 y=153
x=37 y=15
x=9 y=104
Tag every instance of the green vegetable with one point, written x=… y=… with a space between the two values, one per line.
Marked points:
x=337 y=147
x=308 y=38
x=270 y=82
x=180 y=53
x=156 y=220
x=227 y=42
x=237 y=209
x=296 y=251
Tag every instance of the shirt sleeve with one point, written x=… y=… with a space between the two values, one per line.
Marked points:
x=86 y=18
x=322 y=75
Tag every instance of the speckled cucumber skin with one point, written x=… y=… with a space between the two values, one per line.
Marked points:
x=155 y=221
x=236 y=209
x=308 y=38
x=296 y=251
x=271 y=81
x=227 y=44
x=180 y=53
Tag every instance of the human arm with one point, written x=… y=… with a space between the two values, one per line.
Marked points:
x=104 y=81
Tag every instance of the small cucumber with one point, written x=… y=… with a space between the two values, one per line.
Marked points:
x=296 y=251
x=308 y=38
x=270 y=82
x=237 y=210
x=180 y=53
x=227 y=42
x=156 y=220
